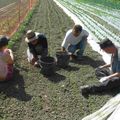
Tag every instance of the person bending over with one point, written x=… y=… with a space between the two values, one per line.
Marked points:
x=108 y=78
x=37 y=46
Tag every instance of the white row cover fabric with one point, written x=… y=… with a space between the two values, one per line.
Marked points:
x=110 y=111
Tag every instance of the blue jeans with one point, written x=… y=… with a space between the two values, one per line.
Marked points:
x=80 y=46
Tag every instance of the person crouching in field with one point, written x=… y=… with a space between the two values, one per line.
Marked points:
x=75 y=41
x=6 y=60
x=37 y=46
x=108 y=79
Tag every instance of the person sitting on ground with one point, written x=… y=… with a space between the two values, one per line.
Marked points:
x=75 y=41
x=37 y=46
x=6 y=60
x=108 y=78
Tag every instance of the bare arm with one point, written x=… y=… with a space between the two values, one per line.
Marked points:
x=9 y=57
x=105 y=66
x=114 y=75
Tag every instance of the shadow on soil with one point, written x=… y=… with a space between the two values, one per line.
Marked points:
x=71 y=68
x=56 y=78
x=68 y=68
x=15 y=88
x=86 y=60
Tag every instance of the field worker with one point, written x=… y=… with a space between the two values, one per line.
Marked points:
x=37 y=46
x=6 y=60
x=75 y=41
x=108 y=78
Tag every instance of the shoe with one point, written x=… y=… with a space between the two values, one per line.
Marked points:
x=85 y=90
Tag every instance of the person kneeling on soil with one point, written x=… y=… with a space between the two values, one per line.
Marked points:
x=108 y=79
x=6 y=60
x=37 y=46
x=75 y=41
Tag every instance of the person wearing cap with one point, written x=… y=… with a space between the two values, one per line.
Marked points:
x=75 y=41
x=37 y=46
x=108 y=78
x=6 y=60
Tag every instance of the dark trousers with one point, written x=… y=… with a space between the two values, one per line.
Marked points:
x=105 y=86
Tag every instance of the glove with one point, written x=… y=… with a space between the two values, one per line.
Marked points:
x=104 y=79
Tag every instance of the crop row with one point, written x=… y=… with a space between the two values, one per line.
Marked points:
x=95 y=24
x=110 y=19
x=107 y=16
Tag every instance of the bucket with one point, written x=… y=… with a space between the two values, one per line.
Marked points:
x=62 y=59
x=48 y=65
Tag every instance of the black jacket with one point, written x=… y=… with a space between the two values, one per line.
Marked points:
x=41 y=48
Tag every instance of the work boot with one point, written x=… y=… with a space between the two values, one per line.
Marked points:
x=85 y=90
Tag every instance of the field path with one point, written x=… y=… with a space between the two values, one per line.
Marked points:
x=31 y=96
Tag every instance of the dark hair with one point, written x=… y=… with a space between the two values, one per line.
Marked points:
x=77 y=28
x=106 y=43
x=4 y=41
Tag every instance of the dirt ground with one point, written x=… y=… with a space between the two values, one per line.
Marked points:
x=32 y=96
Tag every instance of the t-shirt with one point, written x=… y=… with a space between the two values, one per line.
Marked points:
x=71 y=39
x=116 y=61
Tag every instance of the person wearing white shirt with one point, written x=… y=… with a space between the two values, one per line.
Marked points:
x=75 y=41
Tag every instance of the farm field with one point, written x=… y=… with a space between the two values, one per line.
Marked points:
x=3 y=3
x=32 y=96
x=106 y=3
x=99 y=20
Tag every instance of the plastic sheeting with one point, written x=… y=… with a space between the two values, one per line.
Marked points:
x=91 y=39
x=110 y=111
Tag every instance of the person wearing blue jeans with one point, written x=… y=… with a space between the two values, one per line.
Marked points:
x=75 y=41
